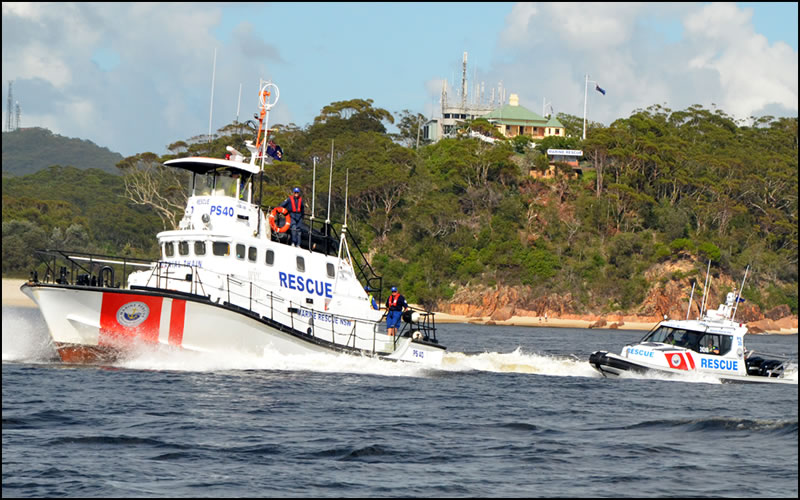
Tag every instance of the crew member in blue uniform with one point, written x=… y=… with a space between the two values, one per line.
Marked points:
x=395 y=306
x=294 y=205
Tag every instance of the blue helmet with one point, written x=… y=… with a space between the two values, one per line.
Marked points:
x=394 y=288
x=296 y=190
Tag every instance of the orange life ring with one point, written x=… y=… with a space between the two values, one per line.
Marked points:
x=274 y=225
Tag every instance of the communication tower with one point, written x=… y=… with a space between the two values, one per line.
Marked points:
x=8 y=106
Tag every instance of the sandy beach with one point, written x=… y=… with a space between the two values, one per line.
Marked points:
x=12 y=296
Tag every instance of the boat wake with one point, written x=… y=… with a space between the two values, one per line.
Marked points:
x=25 y=337
x=26 y=340
x=519 y=361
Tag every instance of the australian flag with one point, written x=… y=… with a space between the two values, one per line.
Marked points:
x=597 y=88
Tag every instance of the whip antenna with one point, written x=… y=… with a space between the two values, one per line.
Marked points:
x=330 y=184
x=738 y=296
x=705 y=290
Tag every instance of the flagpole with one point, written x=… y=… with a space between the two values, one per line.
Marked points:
x=585 y=99
x=585 y=95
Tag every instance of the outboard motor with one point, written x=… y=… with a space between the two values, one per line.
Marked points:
x=764 y=367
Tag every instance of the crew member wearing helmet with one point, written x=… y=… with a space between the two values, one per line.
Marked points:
x=395 y=305
x=294 y=205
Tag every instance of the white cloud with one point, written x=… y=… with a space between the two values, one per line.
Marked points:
x=717 y=59
x=752 y=74
x=159 y=91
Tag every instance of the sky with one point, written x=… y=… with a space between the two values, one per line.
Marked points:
x=136 y=77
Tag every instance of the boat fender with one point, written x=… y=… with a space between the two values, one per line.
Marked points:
x=274 y=225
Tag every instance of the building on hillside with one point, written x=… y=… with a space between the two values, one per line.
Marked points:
x=456 y=111
x=512 y=120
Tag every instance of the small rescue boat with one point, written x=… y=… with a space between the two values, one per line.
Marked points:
x=712 y=345
x=227 y=280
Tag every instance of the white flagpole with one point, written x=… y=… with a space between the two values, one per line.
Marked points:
x=585 y=96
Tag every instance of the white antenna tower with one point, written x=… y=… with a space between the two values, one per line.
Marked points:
x=464 y=82
x=8 y=106
x=238 y=103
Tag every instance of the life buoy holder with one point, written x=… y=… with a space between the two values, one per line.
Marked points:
x=274 y=225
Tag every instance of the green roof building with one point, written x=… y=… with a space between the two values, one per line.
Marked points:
x=513 y=120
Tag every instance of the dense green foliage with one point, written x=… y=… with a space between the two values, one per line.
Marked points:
x=656 y=186
x=29 y=150
x=73 y=209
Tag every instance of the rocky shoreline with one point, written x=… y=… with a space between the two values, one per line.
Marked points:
x=505 y=316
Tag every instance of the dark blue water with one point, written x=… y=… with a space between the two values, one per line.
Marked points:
x=514 y=412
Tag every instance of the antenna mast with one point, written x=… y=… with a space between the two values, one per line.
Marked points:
x=330 y=184
x=705 y=290
x=211 y=107
x=464 y=82
x=313 y=200
x=740 y=293
x=691 y=297
x=8 y=106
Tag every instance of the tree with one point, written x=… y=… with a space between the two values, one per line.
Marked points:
x=149 y=183
x=410 y=126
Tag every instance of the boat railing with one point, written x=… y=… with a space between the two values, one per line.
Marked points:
x=249 y=298
x=425 y=325
x=85 y=269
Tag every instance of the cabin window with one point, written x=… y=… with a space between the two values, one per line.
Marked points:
x=252 y=253
x=715 y=344
x=221 y=248
x=240 y=251
x=199 y=247
x=270 y=257
x=169 y=249
x=301 y=264
x=331 y=270
x=183 y=247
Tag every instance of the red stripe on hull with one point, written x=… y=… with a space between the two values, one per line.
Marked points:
x=176 y=319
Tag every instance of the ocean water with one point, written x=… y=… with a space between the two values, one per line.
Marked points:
x=513 y=412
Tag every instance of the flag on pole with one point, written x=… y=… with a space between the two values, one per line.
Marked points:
x=597 y=88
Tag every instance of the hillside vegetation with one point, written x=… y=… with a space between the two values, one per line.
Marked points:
x=657 y=190
x=29 y=150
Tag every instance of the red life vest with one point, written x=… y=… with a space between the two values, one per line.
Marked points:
x=393 y=299
x=296 y=208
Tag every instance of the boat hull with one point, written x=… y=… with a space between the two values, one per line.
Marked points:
x=613 y=365
x=97 y=325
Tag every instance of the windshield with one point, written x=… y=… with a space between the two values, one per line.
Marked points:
x=219 y=183
x=706 y=343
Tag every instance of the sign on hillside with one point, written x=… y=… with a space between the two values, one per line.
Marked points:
x=565 y=152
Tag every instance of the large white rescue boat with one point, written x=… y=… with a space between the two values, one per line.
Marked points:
x=712 y=345
x=227 y=280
